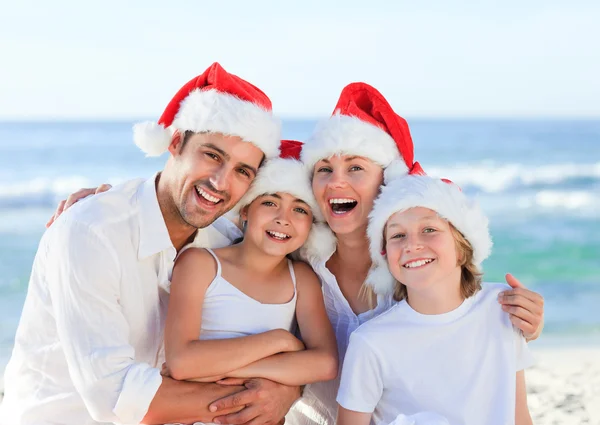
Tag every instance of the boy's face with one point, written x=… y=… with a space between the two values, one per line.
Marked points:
x=210 y=174
x=421 y=251
x=277 y=223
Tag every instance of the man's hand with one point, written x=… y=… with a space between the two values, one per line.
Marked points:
x=525 y=307
x=266 y=402
x=74 y=197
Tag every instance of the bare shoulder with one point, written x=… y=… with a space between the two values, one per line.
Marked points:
x=306 y=276
x=194 y=265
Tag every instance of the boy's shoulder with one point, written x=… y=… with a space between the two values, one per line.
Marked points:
x=385 y=322
x=489 y=292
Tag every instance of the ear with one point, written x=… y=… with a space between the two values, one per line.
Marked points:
x=244 y=213
x=175 y=145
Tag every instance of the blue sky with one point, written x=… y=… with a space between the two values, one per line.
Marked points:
x=125 y=59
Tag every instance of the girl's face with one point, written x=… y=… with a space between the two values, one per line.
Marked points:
x=421 y=251
x=345 y=187
x=277 y=223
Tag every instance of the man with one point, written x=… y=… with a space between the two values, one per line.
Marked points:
x=87 y=347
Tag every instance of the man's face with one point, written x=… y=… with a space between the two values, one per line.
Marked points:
x=211 y=172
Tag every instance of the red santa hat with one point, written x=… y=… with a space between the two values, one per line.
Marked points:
x=364 y=124
x=288 y=174
x=441 y=196
x=214 y=101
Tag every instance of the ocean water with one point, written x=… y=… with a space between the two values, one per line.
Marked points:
x=539 y=182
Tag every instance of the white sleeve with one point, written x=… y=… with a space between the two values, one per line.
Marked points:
x=523 y=356
x=84 y=277
x=361 y=384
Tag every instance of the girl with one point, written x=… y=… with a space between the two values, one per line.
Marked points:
x=232 y=311
x=446 y=353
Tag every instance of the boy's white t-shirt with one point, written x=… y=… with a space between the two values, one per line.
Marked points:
x=460 y=365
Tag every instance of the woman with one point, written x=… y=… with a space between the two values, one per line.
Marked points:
x=347 y=157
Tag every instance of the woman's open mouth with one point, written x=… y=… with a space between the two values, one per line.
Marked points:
x=341 y=206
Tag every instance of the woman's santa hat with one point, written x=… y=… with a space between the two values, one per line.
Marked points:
x=218 y=102
x=289 y=175
x=363 y=124
x=441 y=196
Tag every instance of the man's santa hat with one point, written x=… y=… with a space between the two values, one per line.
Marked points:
x=287 y=174
x=441 y=196
x=214 y=101
x=363 y=124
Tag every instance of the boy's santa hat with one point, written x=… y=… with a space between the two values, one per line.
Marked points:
x=363 y=124
x=288 y=174
x=215 y=101
x=441 y=196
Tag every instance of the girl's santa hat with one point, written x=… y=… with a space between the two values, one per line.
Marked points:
x=441 y=196
x=288 y=174
x=363 y=124
x=215 y=101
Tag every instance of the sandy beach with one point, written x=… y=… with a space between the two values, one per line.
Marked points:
x=563 y=386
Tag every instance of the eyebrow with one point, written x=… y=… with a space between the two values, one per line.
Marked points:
x=275 y=195
x=348 y=159
x=426 y=218
x=228 y=157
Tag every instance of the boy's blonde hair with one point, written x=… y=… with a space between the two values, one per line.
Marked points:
x=470 y=278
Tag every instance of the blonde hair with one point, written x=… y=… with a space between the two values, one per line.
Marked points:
x=470 y=278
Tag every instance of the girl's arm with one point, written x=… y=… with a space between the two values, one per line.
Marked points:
x=350 y=417
x=186 y=356
x=522 y=416
x=319 y=362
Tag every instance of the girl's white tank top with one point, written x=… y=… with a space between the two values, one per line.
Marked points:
x=228 y=312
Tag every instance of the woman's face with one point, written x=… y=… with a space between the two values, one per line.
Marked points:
x=278 y=223
x=345 y=187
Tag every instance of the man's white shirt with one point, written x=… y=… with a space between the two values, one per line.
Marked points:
x=87 y=346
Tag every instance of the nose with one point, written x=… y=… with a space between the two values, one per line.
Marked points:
x=220 y=179
x=412 y=244
x=282 y=218
x=337 y=180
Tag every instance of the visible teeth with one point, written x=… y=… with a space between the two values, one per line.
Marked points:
x=206 y=196
x=417 y=263
x=278 y=235
x=341 y=201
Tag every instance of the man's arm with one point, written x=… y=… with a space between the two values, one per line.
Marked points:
x=187 y=402
x=83 y=277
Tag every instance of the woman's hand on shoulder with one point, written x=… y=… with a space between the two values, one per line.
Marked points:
x=65 y=204
x=525 y=307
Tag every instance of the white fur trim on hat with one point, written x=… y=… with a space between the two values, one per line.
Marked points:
x=291 y=176
x=218 y=112
x=319 y=246
x=347 y=135
x=282 y=175
x=446 y=199
x=396 y=169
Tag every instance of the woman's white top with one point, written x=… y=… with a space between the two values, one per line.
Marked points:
x=318 y=404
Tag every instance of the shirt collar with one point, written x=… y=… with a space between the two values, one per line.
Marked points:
x=154 y=236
